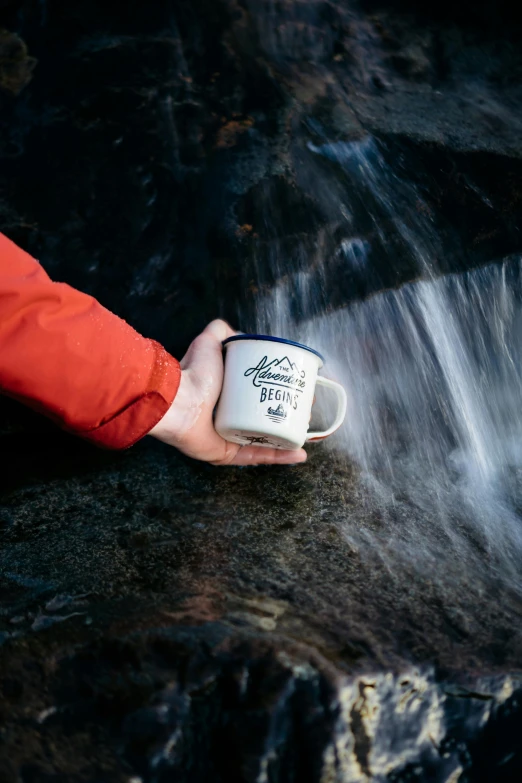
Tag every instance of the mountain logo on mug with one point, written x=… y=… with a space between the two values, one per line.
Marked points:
x=276 y=414
x=278 y=372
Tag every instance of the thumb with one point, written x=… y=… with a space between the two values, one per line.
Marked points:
x=219 y=329
x=205 y=353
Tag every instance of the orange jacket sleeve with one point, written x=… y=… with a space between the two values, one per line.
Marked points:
x=68 y=357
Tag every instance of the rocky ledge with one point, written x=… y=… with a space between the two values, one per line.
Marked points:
x=164 y=620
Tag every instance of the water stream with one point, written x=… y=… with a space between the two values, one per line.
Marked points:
x=434 y=376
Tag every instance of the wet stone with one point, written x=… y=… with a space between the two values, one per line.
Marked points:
x=263 y=642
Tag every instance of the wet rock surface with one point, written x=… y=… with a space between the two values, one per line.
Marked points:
x=160 y=158
x=163 y=620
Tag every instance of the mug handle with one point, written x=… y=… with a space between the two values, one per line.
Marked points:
x=341 y=408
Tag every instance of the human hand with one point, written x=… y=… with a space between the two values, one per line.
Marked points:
x=188 y=424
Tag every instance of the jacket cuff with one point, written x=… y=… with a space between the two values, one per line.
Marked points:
x=134 y=421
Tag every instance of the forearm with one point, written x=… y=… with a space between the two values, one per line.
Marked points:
x=65 y=355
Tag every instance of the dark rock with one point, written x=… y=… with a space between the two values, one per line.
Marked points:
x=152 y=151
x=257 y=643
x=16 y=67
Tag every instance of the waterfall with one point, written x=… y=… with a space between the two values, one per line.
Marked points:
x=433 y=371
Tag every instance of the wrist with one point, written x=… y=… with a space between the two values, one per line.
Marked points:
x=181 y=415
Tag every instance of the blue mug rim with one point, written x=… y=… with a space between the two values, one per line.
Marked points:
x=268 y=338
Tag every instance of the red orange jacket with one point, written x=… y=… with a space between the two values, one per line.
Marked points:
x=65 y=355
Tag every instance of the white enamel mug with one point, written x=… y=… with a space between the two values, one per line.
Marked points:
x=268 y=392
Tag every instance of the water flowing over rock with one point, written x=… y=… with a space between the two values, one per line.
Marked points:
x=346 y=174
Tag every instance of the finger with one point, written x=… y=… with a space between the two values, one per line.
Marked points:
x=207 y=346
x=219 y=329
x=255 y=455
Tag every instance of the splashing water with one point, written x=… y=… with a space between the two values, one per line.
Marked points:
x=434 y=375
